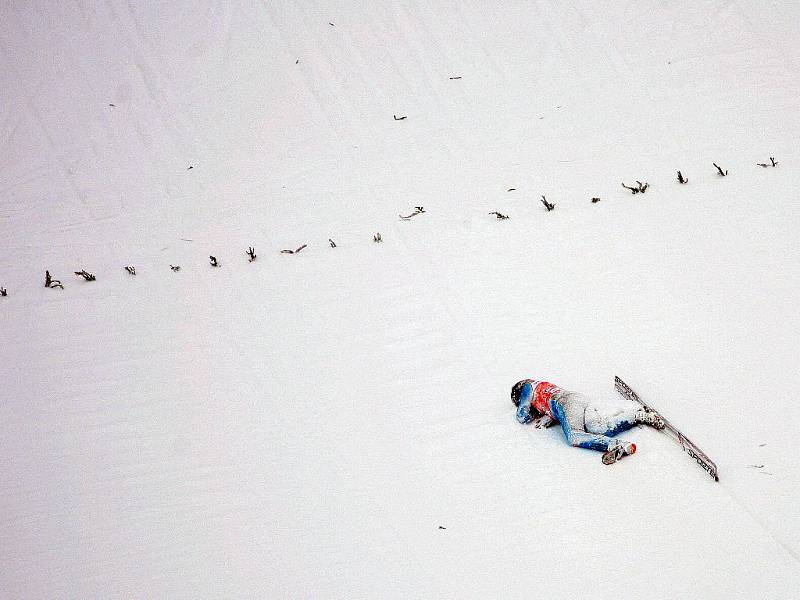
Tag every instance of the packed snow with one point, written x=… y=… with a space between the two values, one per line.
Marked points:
x=336 y=422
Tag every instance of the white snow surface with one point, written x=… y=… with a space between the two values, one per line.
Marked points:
x=303 y=426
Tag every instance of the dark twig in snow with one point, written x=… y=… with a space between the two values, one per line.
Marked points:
x=720 y=171
x=3 y=291
x=512 y=189
x=49 y=282
x=377 y=238
x=175 y=268
x=332 y=243
x=417 y=211
x=640 y=188
x=548 y=205
x=681 y=178
x=459 y=77
x=131 y=270
x=772 y=160
x=500 y=216
x=214 y=262
x=396 y=118
x=251 y=253
x=595 y=200
x=294 y=251
x=87 y=276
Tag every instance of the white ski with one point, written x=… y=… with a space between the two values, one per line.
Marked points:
x=688 y=446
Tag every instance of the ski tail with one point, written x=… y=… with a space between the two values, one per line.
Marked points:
x=686 y=444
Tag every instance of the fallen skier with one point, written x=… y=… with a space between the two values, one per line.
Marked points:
x=586 y=424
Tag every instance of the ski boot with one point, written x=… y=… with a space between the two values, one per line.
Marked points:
x=650 y=418
x=614 y=453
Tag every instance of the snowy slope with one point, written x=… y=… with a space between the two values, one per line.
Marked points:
x=304 y=425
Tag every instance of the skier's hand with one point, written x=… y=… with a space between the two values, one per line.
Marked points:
x=543 y=422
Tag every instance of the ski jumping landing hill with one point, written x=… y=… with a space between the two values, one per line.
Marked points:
x=336 y=423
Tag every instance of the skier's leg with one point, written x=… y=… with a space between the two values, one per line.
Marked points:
x=611 y=421
x=569 y=410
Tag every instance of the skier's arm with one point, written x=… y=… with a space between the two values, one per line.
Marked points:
x=524 y=409
x=544 y=421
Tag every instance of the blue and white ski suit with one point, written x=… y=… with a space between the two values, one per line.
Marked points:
x=585 y=425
